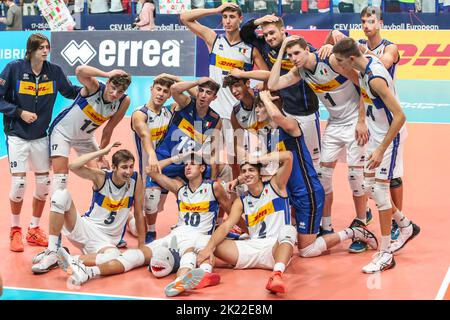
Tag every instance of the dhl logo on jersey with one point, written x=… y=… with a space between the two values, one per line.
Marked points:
x=324 y=87
x=285 y=64
x=281 y=146
x=189 y=130
x=26 y=87
x=366 y=97
x=115 y=205
x=157 y=133
x=96 y=117
x=228 y=64
x=261 y=214
x=194 y=207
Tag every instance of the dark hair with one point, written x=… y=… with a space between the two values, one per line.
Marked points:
x=258 y=166
x=214 y=86
x=233 y=9
x=122 y=155
x=279 y=23
x=34 y=42
x=300 y=41
x=121 y=80
x=229 y=81
x=370 y=10
x=163 y=81
x=278 y=102
x=347 y=47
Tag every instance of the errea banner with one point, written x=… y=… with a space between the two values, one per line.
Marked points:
x=137 y=52
x=423 y=54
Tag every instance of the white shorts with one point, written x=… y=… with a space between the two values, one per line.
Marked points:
x=392 y=164
x=88 y=238
x=310 y=126
x=28 y=155
x=185 y=240
x=60 y=145
x=255 y=253
x=337 y=139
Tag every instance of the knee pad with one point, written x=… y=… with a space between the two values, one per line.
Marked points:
x=369 y=183
x=288 y=234
x=164 y=261
x=132 y=258
x=61 y=201
x=326 y=178
x=382 y=196
x=396 y=183
x=59 y=181
x=42 y=187
x=188 y=260
x=18 y=186
x=151 y=201
x=356 y=180
x=226 y=174
x=108 y=255
x=314 y=249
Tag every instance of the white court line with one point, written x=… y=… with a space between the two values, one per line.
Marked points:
x=444 y=286
x=85 y=293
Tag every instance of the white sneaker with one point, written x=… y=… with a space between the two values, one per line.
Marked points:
x=37 y=258
x=78 y=272
x=48 y=260
x=406 y=234
x=382 y=260
x=64 y=259
x=189 y=281
x=364 y=235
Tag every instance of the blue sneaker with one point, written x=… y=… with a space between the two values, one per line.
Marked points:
x=150 y=236
x=359 y=246
x=122 y=244
x=323 y=232
x=395 y=231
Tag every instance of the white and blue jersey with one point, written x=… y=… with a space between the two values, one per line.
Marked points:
x=379 y=51
x=111 y=205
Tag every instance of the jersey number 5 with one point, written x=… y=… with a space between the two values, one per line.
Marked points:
x=111 y=218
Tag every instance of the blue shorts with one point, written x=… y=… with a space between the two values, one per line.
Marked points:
x=308 y=211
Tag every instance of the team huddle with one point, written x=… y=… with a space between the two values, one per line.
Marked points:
x=250 y=170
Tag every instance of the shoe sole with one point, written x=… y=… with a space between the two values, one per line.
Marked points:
x=416 y=231
x=366 y=247
x=34 y=243
x=53 y=266
x=392 y=265
x=214 y=280
x=188 y=282
x=16 y=249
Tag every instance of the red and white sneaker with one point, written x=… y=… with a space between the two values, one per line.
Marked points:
x=209 y=280
x=275 y=283
x=37 y=236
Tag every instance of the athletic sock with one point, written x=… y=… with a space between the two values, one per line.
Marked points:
x=206 y=267
x=34 y=222
x=279 y=266
x=385 y=243
x=401 y=219
x=15 y=220
x=326 y=223
x=53 y=242
x=345 y=234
